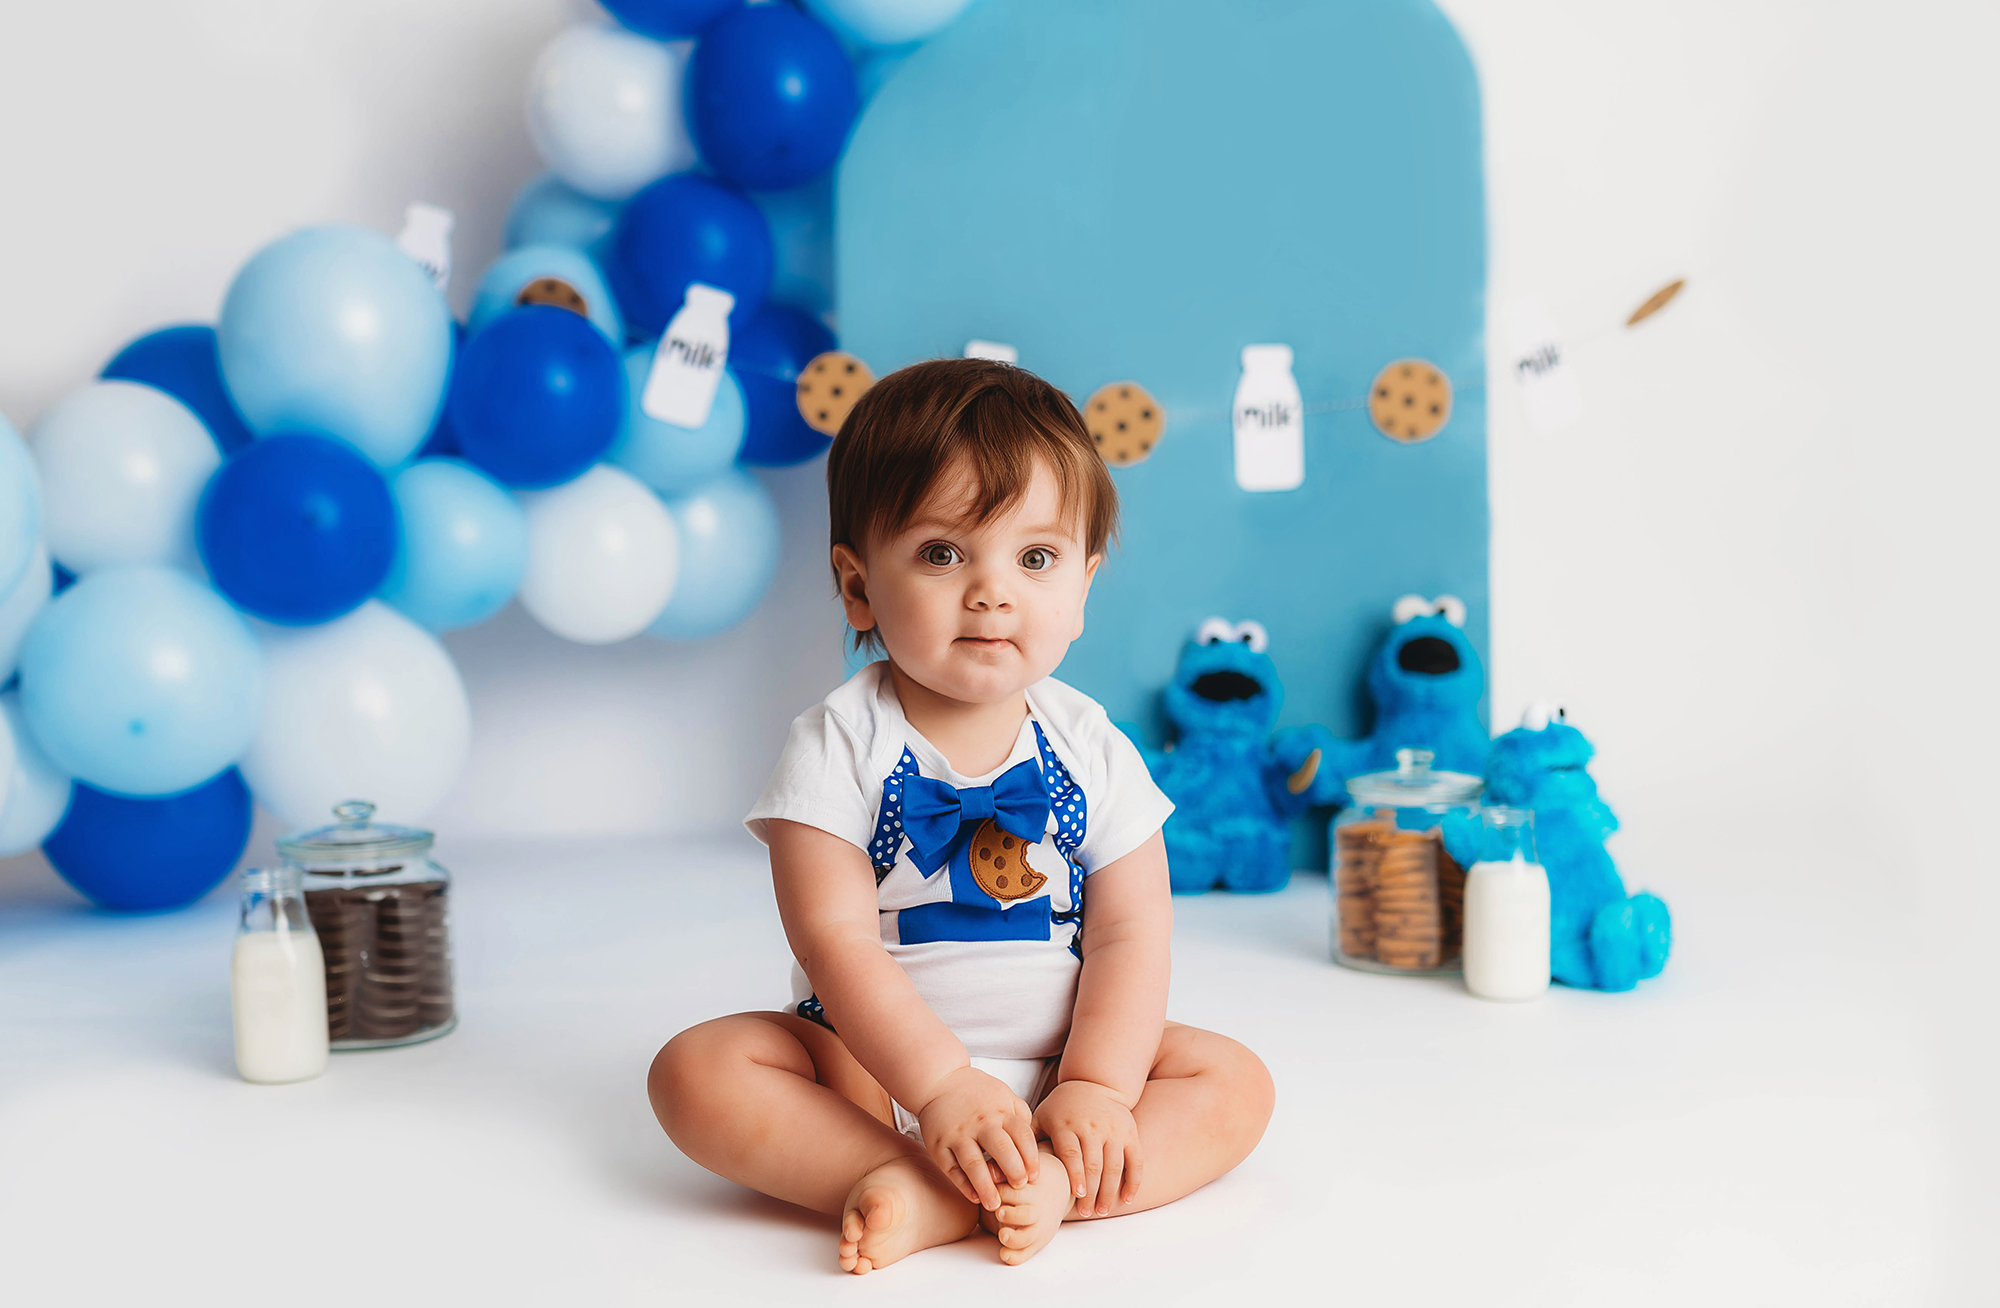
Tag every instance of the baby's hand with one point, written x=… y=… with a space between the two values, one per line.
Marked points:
x=1097 y=1140
x=971 y=1117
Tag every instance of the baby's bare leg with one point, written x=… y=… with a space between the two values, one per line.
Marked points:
x=1203 y=1110
x=777 y=1103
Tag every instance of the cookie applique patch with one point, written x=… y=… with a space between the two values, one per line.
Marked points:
x=829 y=388
x=1000 y=864
x=1410 y=400
x=556 y=294
x=1124 y=422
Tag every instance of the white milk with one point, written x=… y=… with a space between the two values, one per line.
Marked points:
x=277 y=994
x=1507 y=930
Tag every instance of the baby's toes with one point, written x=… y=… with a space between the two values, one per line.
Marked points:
x=1019 y=1213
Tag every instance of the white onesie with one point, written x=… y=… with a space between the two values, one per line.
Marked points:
x=990 y=934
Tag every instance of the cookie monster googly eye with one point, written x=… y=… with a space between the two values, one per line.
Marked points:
x=1214 y=631
x=1251 y=634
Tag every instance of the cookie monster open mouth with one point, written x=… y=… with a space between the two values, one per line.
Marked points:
x=1428 y=655
x=1221 y=687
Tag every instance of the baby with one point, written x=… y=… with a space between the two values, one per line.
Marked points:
x=968 y=862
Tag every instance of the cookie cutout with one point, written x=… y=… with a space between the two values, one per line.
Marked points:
x=1410 y=401
x=829 y=388
x=1125 y=422
x=556 y=294
x=1000 y=864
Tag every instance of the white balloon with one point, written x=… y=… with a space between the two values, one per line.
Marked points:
x=604 y=109
x=367 y=706
x=37 y=795
x=887 y=22
x=602 y=557
x=123 y=466
x=21 y=605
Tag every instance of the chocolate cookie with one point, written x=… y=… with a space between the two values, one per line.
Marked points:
x=1000 y=864
x=829 y=388
x=555 y=293
x=1410 y=401
x=1125 y=422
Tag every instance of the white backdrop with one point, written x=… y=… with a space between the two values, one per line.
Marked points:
x=1757 y=571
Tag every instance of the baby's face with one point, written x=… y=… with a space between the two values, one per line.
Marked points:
x=977 y=610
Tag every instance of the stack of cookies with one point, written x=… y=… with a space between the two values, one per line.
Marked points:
x=388 y=960
x=1399 y=897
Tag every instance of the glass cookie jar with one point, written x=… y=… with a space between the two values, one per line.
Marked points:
x=378 y=903
x=1398 y=898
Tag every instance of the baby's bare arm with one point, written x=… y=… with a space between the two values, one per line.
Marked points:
x=1121 y=998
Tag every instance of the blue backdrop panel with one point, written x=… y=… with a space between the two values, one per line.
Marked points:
x=1135 y=190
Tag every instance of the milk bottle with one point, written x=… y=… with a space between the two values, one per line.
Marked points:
x=277 y=982
x=1506 y=951
x=687 y=366
x=1268 y=420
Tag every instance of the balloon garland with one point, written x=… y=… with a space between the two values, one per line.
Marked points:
x=224 y=564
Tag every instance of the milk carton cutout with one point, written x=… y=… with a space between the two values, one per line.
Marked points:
x=1549 y=391
x=426 y=237
x=1269 y=421
x=687 y=366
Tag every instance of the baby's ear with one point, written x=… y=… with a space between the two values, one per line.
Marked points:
x=852 y=573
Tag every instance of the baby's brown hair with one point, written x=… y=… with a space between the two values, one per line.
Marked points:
x=910 y=426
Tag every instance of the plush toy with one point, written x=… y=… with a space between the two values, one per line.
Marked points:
x=1235 y=787
x=1598 y=937
x=1426 y=681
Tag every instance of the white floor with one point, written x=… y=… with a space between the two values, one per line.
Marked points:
x=1755 y=1127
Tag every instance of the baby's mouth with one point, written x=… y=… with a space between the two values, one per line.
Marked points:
x=984 y=642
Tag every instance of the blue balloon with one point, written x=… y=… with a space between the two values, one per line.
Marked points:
x=140 y=680
x=666 y=20
x=887 y=23
x=443 y=440
x=729 y=540
x=685 y=229
x=549 y=211
x=182 y=362
x=770 y=97
x=675 y=460
x=801 y=222
x=533 y=270
x=464 y=545
x=297 y=529
x=20 y=506
x=336 y=330
x=144 y=855
x=538 y=397
x=768 y=355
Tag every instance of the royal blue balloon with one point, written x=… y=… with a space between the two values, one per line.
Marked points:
x=297 y=529
x=464 y=545
x=666 y=20
x=443 y=439
x=677 y=460
x=336 y=330
x=549 y=211
x=770 y=97
x=538 y=397
x=767 y=356
x=144 y=855
x=182 y=362
x=685 y=229
x=729 y=541
x=801 y=222
x=141 y=680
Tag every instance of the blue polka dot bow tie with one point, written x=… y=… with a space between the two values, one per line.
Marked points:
x=936 y=817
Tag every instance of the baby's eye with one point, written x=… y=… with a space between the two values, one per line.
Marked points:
x=940 y=555
x=1037 y=559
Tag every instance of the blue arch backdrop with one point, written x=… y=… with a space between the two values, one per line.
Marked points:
x=1136 y=189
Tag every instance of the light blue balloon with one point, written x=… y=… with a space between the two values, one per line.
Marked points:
x=334 y=330
x=141 y=681
x=874 y=71
x=887 y=22
x=551 y=212
x=464 y=545
x=729 y=539
x=801 y=222
x=677 y=460
x=20 y=506
x=501 y=286
x=38 y=796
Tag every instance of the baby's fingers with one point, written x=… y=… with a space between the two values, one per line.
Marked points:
x=1134 y=1165
x=972 y=1163
x=1069 y=1152
x=1093 y=1172
x=1114 y=1176
x=1022 y=1132
x=1005 y=1152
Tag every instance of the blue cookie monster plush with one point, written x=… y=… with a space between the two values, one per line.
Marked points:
x=1426 y=681
x=1598 y=937
x=1235 y=787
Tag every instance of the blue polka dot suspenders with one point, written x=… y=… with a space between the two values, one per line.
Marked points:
x=953 y=921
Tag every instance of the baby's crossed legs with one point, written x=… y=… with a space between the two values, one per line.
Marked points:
x=777 y=1103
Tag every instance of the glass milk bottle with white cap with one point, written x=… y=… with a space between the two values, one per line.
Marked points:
x=277 y=982
x=1506 y=953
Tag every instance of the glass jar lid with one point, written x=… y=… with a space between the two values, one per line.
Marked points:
x=1413 y=785
x=355 y=839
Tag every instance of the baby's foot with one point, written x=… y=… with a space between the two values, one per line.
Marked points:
x=1029 y=1215
x=902 y=1206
